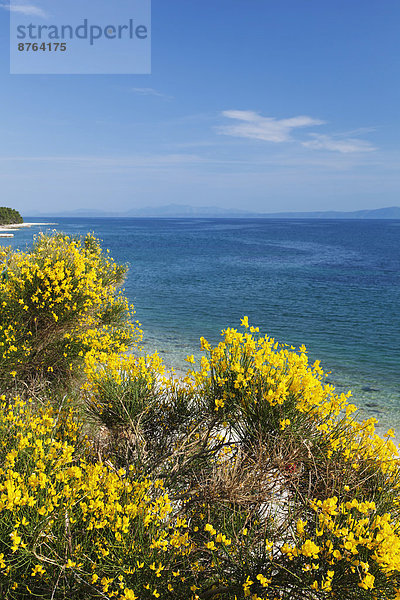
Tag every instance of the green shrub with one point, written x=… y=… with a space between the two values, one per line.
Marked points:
x=58 y=302
x=247 y=478
x=71 y=527
x=283 y=493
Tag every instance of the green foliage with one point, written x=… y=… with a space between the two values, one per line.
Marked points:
x=9 y=216
x=71 y=527
x=247 y=478
x=282 y=492
x=58 y=302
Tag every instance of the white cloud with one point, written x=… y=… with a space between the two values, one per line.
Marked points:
x=150 y=92
x=337 y=144
x=254 y=126
x=28 y=10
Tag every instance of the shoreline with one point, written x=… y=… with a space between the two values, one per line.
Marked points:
x=6 y=230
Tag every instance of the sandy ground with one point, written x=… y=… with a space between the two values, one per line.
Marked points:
x=6 y=230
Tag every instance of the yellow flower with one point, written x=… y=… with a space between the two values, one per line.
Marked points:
x=300 y=527
x=70 y=564
x=221 y=538
x=210 y=528
x=368 y=582
x=310 y=549
x=129 y=594
x=16 y=541
x=38 y=570
x=245 y=322
x=263 y=580
x=211 y=546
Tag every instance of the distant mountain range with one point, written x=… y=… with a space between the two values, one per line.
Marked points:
x=178 y=211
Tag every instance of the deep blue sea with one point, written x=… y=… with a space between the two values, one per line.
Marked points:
x=332 y=285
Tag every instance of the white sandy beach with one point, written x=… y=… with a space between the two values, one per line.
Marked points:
x=6 y=230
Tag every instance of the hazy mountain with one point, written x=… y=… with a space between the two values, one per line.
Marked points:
x=392 y=212
x=181 y=210
x=184 y=211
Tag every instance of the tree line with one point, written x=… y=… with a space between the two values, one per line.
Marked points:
x=9 y=216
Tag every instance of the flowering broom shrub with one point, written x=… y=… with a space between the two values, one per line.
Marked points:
x=320 y=491
x=282 y=492
x=71 y=527
x=58 y=301
x=250 y=477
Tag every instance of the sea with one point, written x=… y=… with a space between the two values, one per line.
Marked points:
x=333 y=285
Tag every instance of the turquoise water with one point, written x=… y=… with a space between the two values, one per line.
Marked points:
x=332 y=285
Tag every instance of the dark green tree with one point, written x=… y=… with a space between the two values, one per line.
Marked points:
x=9 y=216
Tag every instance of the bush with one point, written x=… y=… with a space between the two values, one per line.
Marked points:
x=58 y=302
x=247 y=478
x=70 y=527
x=283 y=493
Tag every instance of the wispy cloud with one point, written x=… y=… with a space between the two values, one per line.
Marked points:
x=150 y=92
x=28 y=10
x=337 y=144
x=150 y=161
x=252 y=125
x=295 y=161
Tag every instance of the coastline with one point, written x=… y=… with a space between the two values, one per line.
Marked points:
x=6 y=230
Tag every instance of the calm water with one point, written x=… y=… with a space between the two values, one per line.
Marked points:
x=332 y=285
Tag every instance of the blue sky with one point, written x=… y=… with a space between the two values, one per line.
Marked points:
x=253 y=104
